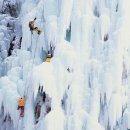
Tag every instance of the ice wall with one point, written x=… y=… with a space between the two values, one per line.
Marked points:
x=87 y=80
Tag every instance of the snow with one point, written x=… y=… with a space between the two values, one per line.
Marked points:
x=86 y=83
x=55 y=120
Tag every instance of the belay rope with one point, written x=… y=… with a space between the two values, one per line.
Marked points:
x=32 y=66
x=31 y=42
x=27 y=82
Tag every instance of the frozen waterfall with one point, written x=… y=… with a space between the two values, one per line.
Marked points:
x=86 y=83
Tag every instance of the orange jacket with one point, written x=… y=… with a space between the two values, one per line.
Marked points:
x=21 y=102
x=37 y=30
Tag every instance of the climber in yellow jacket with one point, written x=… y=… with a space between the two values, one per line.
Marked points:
x=49 y=56
x=50 y=53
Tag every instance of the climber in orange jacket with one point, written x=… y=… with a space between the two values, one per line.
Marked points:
x=21 y=106
x=31 y=24
x=32 y=28
x=37 y=30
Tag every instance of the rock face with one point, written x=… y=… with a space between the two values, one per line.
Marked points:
x=42 y=104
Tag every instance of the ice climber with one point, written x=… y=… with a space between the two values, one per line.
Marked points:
x=21 y=106
x=50 y=53
x=31 y=24
x=49 y=56
x=32 y=28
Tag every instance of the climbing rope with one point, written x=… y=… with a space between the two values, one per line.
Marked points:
x=30 y=49
x=32 y=66
x=32 y=58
